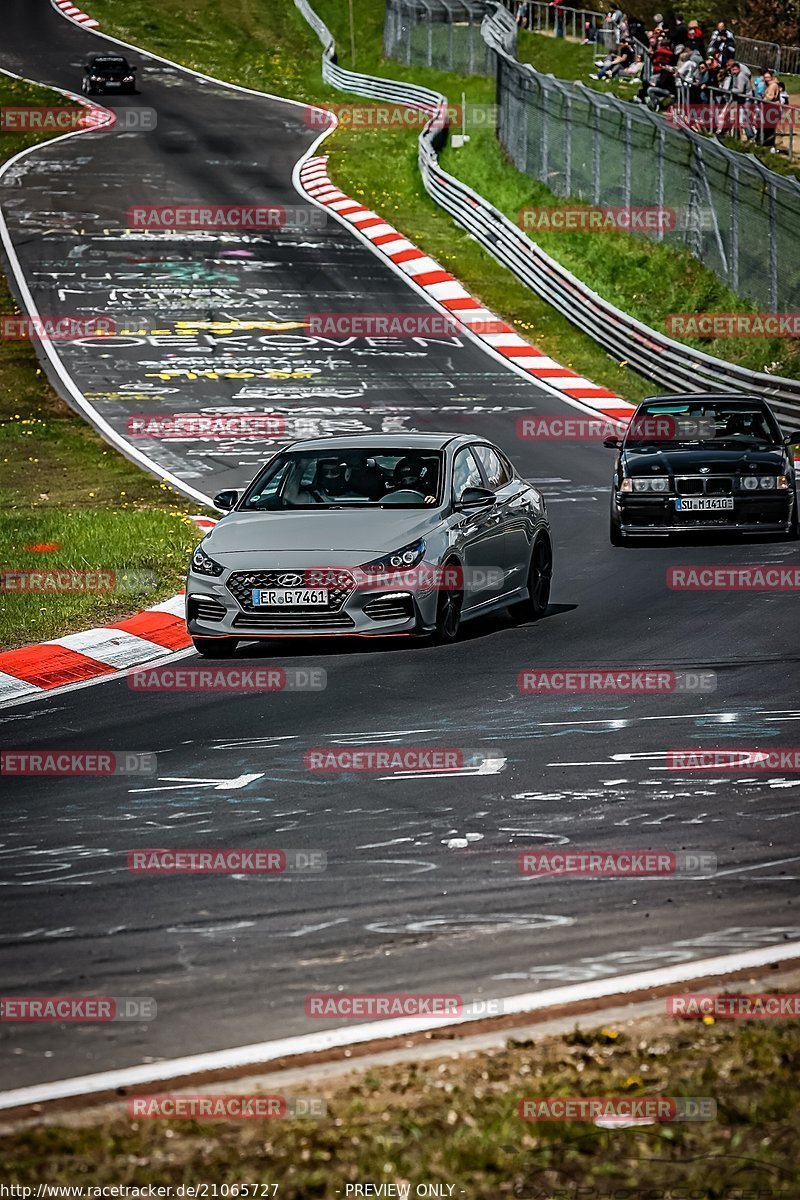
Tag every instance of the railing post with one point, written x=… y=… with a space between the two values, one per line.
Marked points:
x=734 y=252
x=773 y=246
x=544 y=98
x=660 y=147
x=595 y=151
x=568 y=144
x=626 y=180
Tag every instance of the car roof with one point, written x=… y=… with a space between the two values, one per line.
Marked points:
x=706 y=397
x=385 y=441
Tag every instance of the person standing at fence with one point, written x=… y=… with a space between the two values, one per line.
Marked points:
x=770 y=111
x=738 y=90
x=558 y=14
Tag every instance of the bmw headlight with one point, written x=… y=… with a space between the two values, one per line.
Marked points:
x=397 y=560
x=203 y=565
x=656 y=484
x=766 y=483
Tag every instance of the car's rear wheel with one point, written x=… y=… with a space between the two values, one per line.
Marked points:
x=540 y=575
x=448 y=609
x=615 y=533
x=220 y=647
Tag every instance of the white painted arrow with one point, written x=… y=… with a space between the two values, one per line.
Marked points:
x=176 y=782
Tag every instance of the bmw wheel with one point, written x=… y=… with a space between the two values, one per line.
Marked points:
x=540 y=576
x=448 y=611
x=220 y=647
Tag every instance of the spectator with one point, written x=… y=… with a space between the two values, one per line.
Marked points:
x=722 y=44
x=708 y=78
x=660 y=92
x=678 y=32
x=617 y=61
x=558 y=13
x=590 y=31
x=695 y=38
x=737 y=91
x=689 y=70
x=759 y=86
x=770 y=111
x=636 y=30
x=663 y=55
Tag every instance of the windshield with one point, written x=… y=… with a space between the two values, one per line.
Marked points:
x=111 y=66
x=706 y=424
x=348 y=479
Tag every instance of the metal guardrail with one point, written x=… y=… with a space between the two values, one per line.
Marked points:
x=648 y=351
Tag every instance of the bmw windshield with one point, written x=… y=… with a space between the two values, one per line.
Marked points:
x=348 y=478
x=706 y=424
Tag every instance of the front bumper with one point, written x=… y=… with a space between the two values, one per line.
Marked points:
x=222 y=608
x=649 y=515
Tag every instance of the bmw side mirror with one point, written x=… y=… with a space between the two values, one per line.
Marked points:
x=475 y=497
x=793 y=438
x=226 y=500
x=86 y=70
x=612 y=443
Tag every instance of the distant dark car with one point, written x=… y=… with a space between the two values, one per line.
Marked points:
x=107 y=73
x=699 y=463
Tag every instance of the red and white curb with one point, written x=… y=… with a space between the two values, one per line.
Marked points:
x=34 y=670
x=98 y=653
x=449 y=294
x=75 y=14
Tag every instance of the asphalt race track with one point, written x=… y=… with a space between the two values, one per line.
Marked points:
x=421 y=891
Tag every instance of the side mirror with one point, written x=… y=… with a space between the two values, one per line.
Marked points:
x=793 y=438
x=227 y=500
x=475 y=497
x=612 y=443
x=86 y=70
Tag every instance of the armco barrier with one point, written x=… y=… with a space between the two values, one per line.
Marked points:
x=653 y=354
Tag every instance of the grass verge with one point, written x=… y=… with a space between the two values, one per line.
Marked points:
x=62 y=486
x=272 y=48
x=453 y=1122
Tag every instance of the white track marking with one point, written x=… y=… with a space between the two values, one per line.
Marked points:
x=263 y=1052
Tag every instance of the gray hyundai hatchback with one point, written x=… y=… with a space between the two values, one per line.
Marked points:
x=371 y=535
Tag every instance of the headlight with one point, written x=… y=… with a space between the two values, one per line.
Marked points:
x=656 y=484
x=128 y=79
x=203 y=565
x=767 y=483
x=397 y=560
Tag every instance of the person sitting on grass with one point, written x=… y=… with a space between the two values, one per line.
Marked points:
x=616 y=62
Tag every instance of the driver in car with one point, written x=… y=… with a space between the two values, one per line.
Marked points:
x=330 y=480
x=411 y=475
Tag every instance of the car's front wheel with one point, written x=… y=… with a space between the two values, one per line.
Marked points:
x=448 y=609
x=616 y=536
x=220 y=647
x=540 y=576
x=793 y=533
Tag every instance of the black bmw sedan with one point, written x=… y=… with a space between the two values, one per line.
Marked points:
x=699 y=463
x=108 y=73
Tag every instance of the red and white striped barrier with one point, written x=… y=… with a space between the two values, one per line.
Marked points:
x=449 y=294
x=75 y=14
